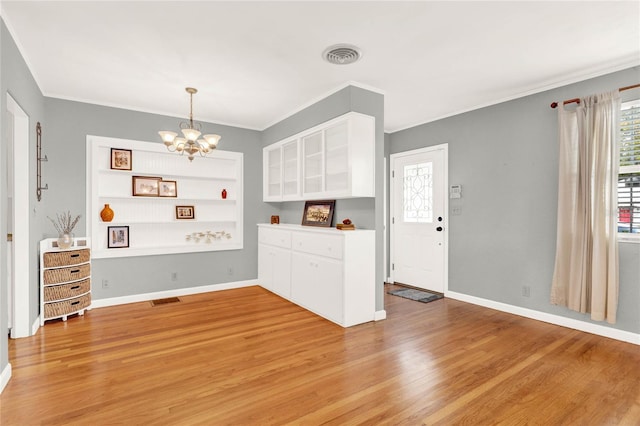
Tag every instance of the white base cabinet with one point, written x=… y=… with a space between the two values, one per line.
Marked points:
x=327 y=271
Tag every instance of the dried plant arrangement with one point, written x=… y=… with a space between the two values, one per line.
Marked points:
x=64 y=223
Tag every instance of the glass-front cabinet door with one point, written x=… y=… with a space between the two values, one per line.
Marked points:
x=336 y=148
x=273 y=174
x=290 y=170
x=313 y=154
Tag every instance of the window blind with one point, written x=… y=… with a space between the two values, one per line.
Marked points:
x=629 y=174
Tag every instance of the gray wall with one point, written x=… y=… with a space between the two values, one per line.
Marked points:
x=506 y=159
x=16 y=79
x=366 y=213
x=68 y=124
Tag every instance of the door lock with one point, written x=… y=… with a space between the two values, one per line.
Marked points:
x=439 y=228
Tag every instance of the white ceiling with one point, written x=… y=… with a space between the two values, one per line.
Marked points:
x=256 y=63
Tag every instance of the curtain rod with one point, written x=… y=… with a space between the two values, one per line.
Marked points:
x=577 y=100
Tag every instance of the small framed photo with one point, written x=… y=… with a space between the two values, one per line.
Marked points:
x=318 y=213
x=145 y=186
x=168 y=188
x=120 y=159
x=185 y=212
x=117 y=236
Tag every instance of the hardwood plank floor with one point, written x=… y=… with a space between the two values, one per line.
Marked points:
x=248 y=357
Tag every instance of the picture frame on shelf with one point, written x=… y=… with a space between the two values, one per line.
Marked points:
x=318 y=213
x=121 y=159
x=185 y=212
x=117 y=236
x=145 y=186
x=168 y=188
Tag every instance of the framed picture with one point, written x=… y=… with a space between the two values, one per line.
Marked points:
x=185 y=212
x=318 y=213
x=120 y=159
x=117 y=236
x=145 y=186
x=168 y=188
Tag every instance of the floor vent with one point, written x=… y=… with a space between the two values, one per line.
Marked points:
x=164 y=301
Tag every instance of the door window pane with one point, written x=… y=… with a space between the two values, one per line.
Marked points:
x=418 y=193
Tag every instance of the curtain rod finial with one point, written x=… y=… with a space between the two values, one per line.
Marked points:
x=554 y=104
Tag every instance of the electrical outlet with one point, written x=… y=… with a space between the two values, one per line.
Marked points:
x=230 y=270
x=526 y=291
x=174 y=276
x=105 y=283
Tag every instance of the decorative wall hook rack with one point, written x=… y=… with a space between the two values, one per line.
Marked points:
x=39 y=161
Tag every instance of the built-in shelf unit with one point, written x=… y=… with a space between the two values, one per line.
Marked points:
x=153 y=225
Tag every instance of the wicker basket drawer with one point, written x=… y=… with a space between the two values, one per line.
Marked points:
x=56 y=309
x=65 y=291
x=61 y=275
x=64 y=258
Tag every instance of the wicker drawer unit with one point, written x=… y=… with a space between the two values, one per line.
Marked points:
x=65 y=279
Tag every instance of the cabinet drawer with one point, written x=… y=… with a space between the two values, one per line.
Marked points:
x=322 y=245
x=274 y=237
x=56 y=309
x=65 y=291
x=64 y=258
x=61 y=275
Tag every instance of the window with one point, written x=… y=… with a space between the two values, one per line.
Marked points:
x=418 y=193
x=629 y=174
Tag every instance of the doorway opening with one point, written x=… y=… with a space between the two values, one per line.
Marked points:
x=17 y=167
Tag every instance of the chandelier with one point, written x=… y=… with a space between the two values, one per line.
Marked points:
x=191 y=132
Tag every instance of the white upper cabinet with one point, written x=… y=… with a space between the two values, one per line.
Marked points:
x=332 y=160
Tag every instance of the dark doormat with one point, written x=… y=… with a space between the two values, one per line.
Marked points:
x=419 y=295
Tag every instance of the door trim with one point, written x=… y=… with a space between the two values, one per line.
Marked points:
x=445 y=163
x=21 y=326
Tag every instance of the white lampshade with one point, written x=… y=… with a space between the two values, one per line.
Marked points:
x=212 y=140
x=191 y=134
x=167 y=137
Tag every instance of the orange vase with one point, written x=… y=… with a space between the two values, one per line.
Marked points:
x=106 y=214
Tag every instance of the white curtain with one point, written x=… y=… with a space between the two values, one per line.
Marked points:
x=586 y=270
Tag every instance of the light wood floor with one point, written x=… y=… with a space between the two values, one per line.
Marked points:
x=247 y=357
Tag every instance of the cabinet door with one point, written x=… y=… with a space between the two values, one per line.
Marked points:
x=313 y=163
x=291 y=170
x=316 y=284
x=273 y=173
x=281 y=279
x=336 y=144
x=265 y=267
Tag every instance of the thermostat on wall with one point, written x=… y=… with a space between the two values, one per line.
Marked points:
x=455 y=191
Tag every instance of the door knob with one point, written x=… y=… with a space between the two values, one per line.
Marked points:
x=439 y=228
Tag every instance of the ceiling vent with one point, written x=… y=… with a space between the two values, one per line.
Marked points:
x=342 y=54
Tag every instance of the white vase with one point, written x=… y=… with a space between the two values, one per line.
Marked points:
x=65 y=240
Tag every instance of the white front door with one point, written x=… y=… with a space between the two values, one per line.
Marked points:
x=418 y=221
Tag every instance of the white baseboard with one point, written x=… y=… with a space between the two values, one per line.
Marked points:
x=380 y=315
x=112 y=301
x=5 y=376
x=600 y=330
